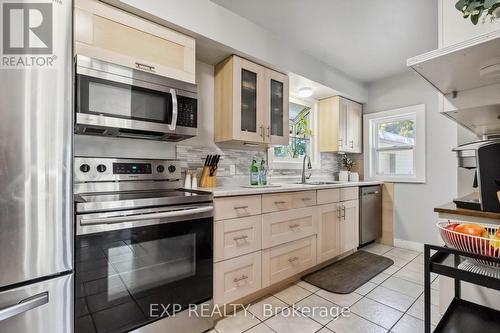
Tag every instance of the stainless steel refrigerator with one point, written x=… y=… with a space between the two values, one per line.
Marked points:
x=36 y=261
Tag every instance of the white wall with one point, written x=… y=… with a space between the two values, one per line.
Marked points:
x=414 y=203
x=453 y=28
x=210 y=22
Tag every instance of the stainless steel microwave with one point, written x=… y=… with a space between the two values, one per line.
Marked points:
x=113 y=100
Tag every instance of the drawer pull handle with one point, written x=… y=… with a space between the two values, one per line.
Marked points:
x=241 y=278
x=280 y=202
x=145 y=66
x=293 y=226
x=293 y=259
x=343 y=212
x=338 y=213
x=306 y=199
x=242 y=237
x=240 y=207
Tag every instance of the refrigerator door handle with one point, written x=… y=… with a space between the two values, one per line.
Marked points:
x=24 y=305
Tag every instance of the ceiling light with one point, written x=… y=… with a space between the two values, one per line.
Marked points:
x=305 y=92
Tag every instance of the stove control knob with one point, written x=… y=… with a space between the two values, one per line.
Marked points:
x=171 y=168
x=160 y=168
x=101 y=168
x=84 y=168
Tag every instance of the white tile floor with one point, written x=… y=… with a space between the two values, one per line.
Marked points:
x=391 y=302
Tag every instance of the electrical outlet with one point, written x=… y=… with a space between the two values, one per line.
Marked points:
x=232 y=169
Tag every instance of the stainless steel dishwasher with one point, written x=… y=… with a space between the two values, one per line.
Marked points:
x=370 y=214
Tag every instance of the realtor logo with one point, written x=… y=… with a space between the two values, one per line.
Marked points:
x=27 y=28
x=27 y=34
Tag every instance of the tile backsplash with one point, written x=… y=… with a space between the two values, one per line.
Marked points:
x=193 y=157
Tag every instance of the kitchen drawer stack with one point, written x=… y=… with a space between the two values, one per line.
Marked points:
x=261 y=240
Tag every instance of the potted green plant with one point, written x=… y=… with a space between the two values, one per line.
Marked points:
x=347 y=164
x=475 y=9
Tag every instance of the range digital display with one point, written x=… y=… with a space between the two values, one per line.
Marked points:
x=131 y=168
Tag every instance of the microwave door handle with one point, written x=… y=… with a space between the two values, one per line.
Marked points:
x=173 y=124
x=130 y=218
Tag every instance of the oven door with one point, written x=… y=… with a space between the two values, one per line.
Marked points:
x=133 y=271
x=125 y=104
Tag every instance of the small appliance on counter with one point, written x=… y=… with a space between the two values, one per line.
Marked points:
x=484 y=157
x=142 y=243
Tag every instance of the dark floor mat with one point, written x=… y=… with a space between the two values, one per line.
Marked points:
x=350 y=273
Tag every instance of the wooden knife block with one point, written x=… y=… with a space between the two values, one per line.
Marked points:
x=206 y=180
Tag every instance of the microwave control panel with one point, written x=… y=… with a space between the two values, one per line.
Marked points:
x=187 y=115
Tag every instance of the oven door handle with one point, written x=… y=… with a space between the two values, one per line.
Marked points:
x=175 y=110
x=137 y=217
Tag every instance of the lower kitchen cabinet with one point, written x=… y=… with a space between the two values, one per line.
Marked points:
x=349 y=225
x=283 y=261
x=261 y=240
x=236 y=278
x=328 y=235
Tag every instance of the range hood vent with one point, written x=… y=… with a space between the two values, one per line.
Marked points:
x=467 y=65
x=468 y=75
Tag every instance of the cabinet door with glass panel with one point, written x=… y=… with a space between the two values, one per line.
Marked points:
x=276 y=128
x=239 y=101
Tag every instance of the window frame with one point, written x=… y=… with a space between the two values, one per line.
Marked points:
x=371 y=122
x=290 y=163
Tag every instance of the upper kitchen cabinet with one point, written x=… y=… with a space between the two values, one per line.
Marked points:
x=113 y=35
x=251 y=103
x=340 y=125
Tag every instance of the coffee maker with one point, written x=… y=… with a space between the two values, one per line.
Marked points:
x=484 y=157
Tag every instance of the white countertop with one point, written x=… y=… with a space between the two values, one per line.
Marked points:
x=228 y=191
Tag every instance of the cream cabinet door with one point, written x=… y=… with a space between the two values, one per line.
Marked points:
x=110 y=34
x=328 y=231
x=283 y=261
x=238 y=277
x=349 y=226
x=236 y=237
x=286 y=226
x=276 y=108
x=343 y=107
x=354 y=121
x=248 y=102
x=239 y=206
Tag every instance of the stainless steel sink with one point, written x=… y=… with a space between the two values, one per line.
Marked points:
x=321 y=183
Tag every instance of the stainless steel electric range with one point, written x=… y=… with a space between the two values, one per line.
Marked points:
x=143 y=247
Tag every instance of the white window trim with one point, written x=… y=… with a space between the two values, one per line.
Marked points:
x=283 y=164
x=420 y=144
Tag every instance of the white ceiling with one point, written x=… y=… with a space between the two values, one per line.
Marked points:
x=366 y=39
x=319 y=91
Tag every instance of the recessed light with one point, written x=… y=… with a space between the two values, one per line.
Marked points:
x=305 y=92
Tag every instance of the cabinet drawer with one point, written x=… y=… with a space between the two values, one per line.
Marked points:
x=236 y=278
x=286 y=226
x=236 y=237
x=233 y=207
x=285 y=201
x=349 y=193
x=331 y=195
x=283 y=261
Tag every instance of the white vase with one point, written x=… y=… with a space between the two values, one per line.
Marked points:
x=344 y=176
x=353 y=177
